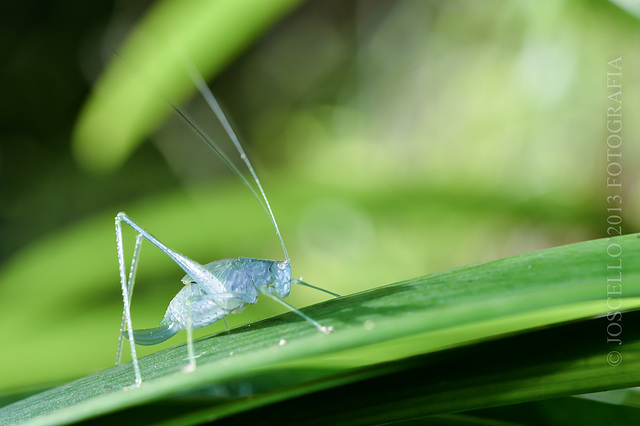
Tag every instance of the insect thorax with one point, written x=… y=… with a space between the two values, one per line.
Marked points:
x=274 y=274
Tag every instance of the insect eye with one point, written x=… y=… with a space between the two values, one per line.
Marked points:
x=281 y=265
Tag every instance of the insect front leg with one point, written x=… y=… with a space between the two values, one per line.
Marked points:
x=316 y=324
x=299 y=281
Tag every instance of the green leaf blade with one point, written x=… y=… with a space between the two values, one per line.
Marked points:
x=447 y=310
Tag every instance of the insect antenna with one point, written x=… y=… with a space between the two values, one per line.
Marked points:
x=206 y=93
x=198 y=131
x=204 y=90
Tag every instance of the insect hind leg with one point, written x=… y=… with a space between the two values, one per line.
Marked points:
x=131 y=281
x=127 y=285
x=127 y=290
x=191 y=267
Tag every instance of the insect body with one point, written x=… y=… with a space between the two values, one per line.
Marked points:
x=211 y=291
x=243 y=280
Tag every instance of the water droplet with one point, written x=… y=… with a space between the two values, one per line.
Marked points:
x=369 y=325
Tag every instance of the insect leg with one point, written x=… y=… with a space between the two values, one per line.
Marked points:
x=217 y=298
x=132 y=277
x=191 y=267
x=320 y=327
x=125 y=301
x=190 y=354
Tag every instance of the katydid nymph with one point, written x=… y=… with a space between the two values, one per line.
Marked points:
x=214 y=290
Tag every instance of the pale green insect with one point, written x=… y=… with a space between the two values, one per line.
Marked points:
x=214 y=290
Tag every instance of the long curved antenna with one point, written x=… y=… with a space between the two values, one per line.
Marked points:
x=196 y=77
x=215 y=107
x=198 y=131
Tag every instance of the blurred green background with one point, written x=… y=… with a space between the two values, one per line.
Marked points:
x=394 y=139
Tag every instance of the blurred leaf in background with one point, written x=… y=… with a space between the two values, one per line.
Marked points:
x=394 y=138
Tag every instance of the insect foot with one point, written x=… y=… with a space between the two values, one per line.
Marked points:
x=133 y=386
x=189 y=368
x=325 y=330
